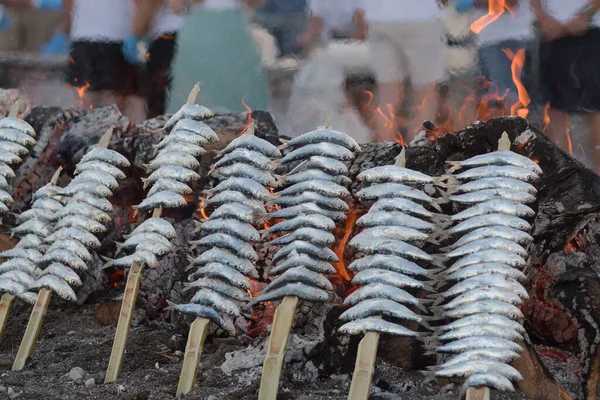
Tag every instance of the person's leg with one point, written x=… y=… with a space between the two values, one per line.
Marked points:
x=558 y=128
x=593 y=119
x=158 y=74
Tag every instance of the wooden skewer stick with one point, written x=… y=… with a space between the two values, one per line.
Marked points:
x=15 y=108
x=33 y=329
x=5 y=304
x=193 y=94
x=193 y=350
x=282 y=324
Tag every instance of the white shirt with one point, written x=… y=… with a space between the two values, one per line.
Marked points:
x=565 y=10
x=508 y=26
x=166 y=21
x=101 y=20
x=401 y=10
x=221 y=4
x=336 y=14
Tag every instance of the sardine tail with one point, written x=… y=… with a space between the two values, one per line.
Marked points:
x=170 y=306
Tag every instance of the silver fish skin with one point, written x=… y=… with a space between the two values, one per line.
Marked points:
x=317 y=237
x=379 y=307
x=224 y=289
x=14 y=148
x=209 y=298
x=204 y=312
x=300 y=246
x=9 y=158
x=302 y=275
x=241 y=170
x=48 y=191
x=315 y=221
x=11 y=287
x=63 y=272
x=224 y=273
x=496 y=183
x=300 y=290
x=191 y=149
x=36 y=213
x=101 y=166
x=372 y=276
x=307 y=209
x=216 y=255
x=169 y=185
x=18 y=124
x=325 y=188
x=483 y=221
x=107 y=156
x=57 y=285
x=488 y=244
x=74 y=247
x=324 y=135
x=325 y=164
x=141 y=237
x=482 y=281
x=494 y=231
x=392 y=190
x=490 y=380
x=254 y=143
x=5 y=197
x=228 y=242
x=157 y=248
x=231 y=227
x=511 y=208
x=493 y=194
x=179 y=158
x=489 y=256
x=18 y=276
x=372 y=324
x=33 y=226
x=21 y=264
x=197 y=127
x=239 y=212
x=64 y=257
x=7 y=172
x=3 y=183
x=144 y=256
x=97 y=176
x=16 y=252
x=402 y=233
x=311 y=197
x=329 y=150
x=499 y=158
x=312 y=174
x=164 y=199
x=245 y=157
x=296 y=259
x=230 y=196
x=172 y=172
x=13 y=135
x=183 y=136
x=156 y=225
x=489 y=306
x=391 y=247
x=97 y=202
x=500 y=355
x=481 y=330
x=30 y=242
x=244 y=185
x=82 y=236
x=394 y=218
x=188 y=111
x=505 y=171
x=479 y=342
x=486 y=269
x=84 y=210
x=389 y=263
x=382 y=291
x=4 y=208
x=483 y=318
x=81 y=222
x=28 y=297
x=479 y=366
x=92 y=188
x=394 y=174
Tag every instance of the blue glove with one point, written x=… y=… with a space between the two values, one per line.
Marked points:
x=4 y=21
x=48 y=5
x=129 y=48
x=463 y=5
x=59 y=44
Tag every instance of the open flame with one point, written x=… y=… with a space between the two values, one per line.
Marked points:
x=262 y=314
x=568 y=135
x=248 y=118
x=343 y=277
x=546 y=117
x=495 y=9
x=518 y=61
x=81 y=90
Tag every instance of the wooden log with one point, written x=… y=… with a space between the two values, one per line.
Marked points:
x=33 y=329
x=193 y=350
x=5 y=304
x=282 y=324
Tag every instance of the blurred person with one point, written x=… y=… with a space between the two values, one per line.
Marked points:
x=216 y=48
x=569 y=69
x=406 y=40
x=26 y=25
x=286 y=20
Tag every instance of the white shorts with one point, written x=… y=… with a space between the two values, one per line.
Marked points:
x=412 y=50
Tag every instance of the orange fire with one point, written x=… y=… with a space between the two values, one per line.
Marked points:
x=390 y=123
x=546 y=117
x=248 y=118
x=262 y=314
x=568 y=135
x=81 y=90
x=342 y=273
x=518 y=61
x=495 y=9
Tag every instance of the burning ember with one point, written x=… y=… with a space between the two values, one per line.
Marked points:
x=262 y=314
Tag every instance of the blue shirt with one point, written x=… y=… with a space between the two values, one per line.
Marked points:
x=284 y=7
